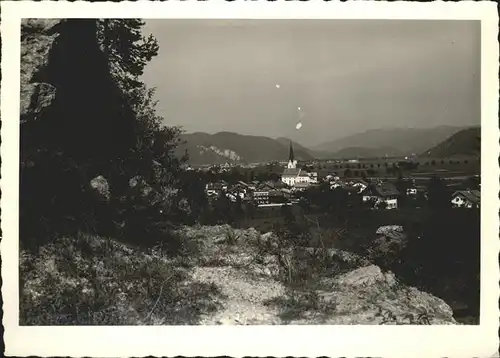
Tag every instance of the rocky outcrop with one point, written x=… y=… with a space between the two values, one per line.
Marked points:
x=38 y=37
x=69 y=100
x=349 y=291
x=75 y=122
x=211 y=282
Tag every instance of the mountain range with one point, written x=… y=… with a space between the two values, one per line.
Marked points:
x=389 y=141
x=228 y=147
x=464 y=142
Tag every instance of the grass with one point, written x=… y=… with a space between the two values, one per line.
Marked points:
x=91 y=280
x=298 y=305
x=231 y=236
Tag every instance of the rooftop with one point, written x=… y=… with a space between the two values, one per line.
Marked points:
x=382 y=189
x=473 y=196
x=292 y=172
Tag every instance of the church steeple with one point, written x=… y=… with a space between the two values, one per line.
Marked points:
x=290 y=157
x=292 y=163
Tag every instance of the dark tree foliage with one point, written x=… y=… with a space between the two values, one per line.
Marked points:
x=127 y=49
x=439 y=196
x=222 y=210
x=402 y=185
x=292 y=232
x=193 y=187
x=443 y=256
x=102 y=122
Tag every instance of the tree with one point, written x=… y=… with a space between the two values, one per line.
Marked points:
x=128 y=51
x=439 y=197
x=238 y=208
x=382 y=205
x=250 y=176
x=401 y=185
x=222 y=209
x=193 y=189
x=291 y=233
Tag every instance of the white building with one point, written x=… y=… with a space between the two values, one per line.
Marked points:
x=466 y=199
x=313 y=177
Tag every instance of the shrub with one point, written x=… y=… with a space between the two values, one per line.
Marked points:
x=231 y=236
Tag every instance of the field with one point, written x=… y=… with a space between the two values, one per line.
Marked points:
x=446 y=167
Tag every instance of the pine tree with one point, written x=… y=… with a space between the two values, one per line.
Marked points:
x=127 y=49
x=439 y=197
x=128 y=52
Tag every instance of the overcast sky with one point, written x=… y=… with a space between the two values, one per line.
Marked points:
x=347 y=76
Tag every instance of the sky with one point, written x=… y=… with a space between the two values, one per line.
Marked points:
x=347 y=76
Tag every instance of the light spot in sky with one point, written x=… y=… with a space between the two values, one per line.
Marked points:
x=277 y=86
x=298 y=126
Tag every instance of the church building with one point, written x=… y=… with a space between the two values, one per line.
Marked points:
x=293 y=175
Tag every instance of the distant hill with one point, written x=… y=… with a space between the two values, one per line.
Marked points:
x=464 y=142
x=222 y=147
x=401 y=141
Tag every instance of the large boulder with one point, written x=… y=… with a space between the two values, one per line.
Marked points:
x=101 y=186
x=373 y=297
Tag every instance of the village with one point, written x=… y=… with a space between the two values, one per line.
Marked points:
x=318 y=201
x=387 y=192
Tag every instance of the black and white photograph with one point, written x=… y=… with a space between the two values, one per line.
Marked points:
x=251 y=172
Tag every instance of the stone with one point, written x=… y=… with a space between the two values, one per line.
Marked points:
x=101 y=186
x=363 y=276
x=389 y=228
x=38 y=39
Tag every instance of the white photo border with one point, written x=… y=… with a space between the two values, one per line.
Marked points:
x=398 y=341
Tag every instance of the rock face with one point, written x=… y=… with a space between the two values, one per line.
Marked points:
x=69 y=99
x=75 y=121
x=38 y=37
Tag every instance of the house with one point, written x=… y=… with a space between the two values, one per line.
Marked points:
x=243 y=184
x=213 y=189
x=332 y=177
x=236 y=191
x=466 y=199
x=411 y=191
x=262 y=193
x=300 y=186
x=360 y=185
x=223 y=184
x=336 y=184
x=277 y=196
x=313 y=177
x=261 y=197
x=252 y=185
x=383 y=192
